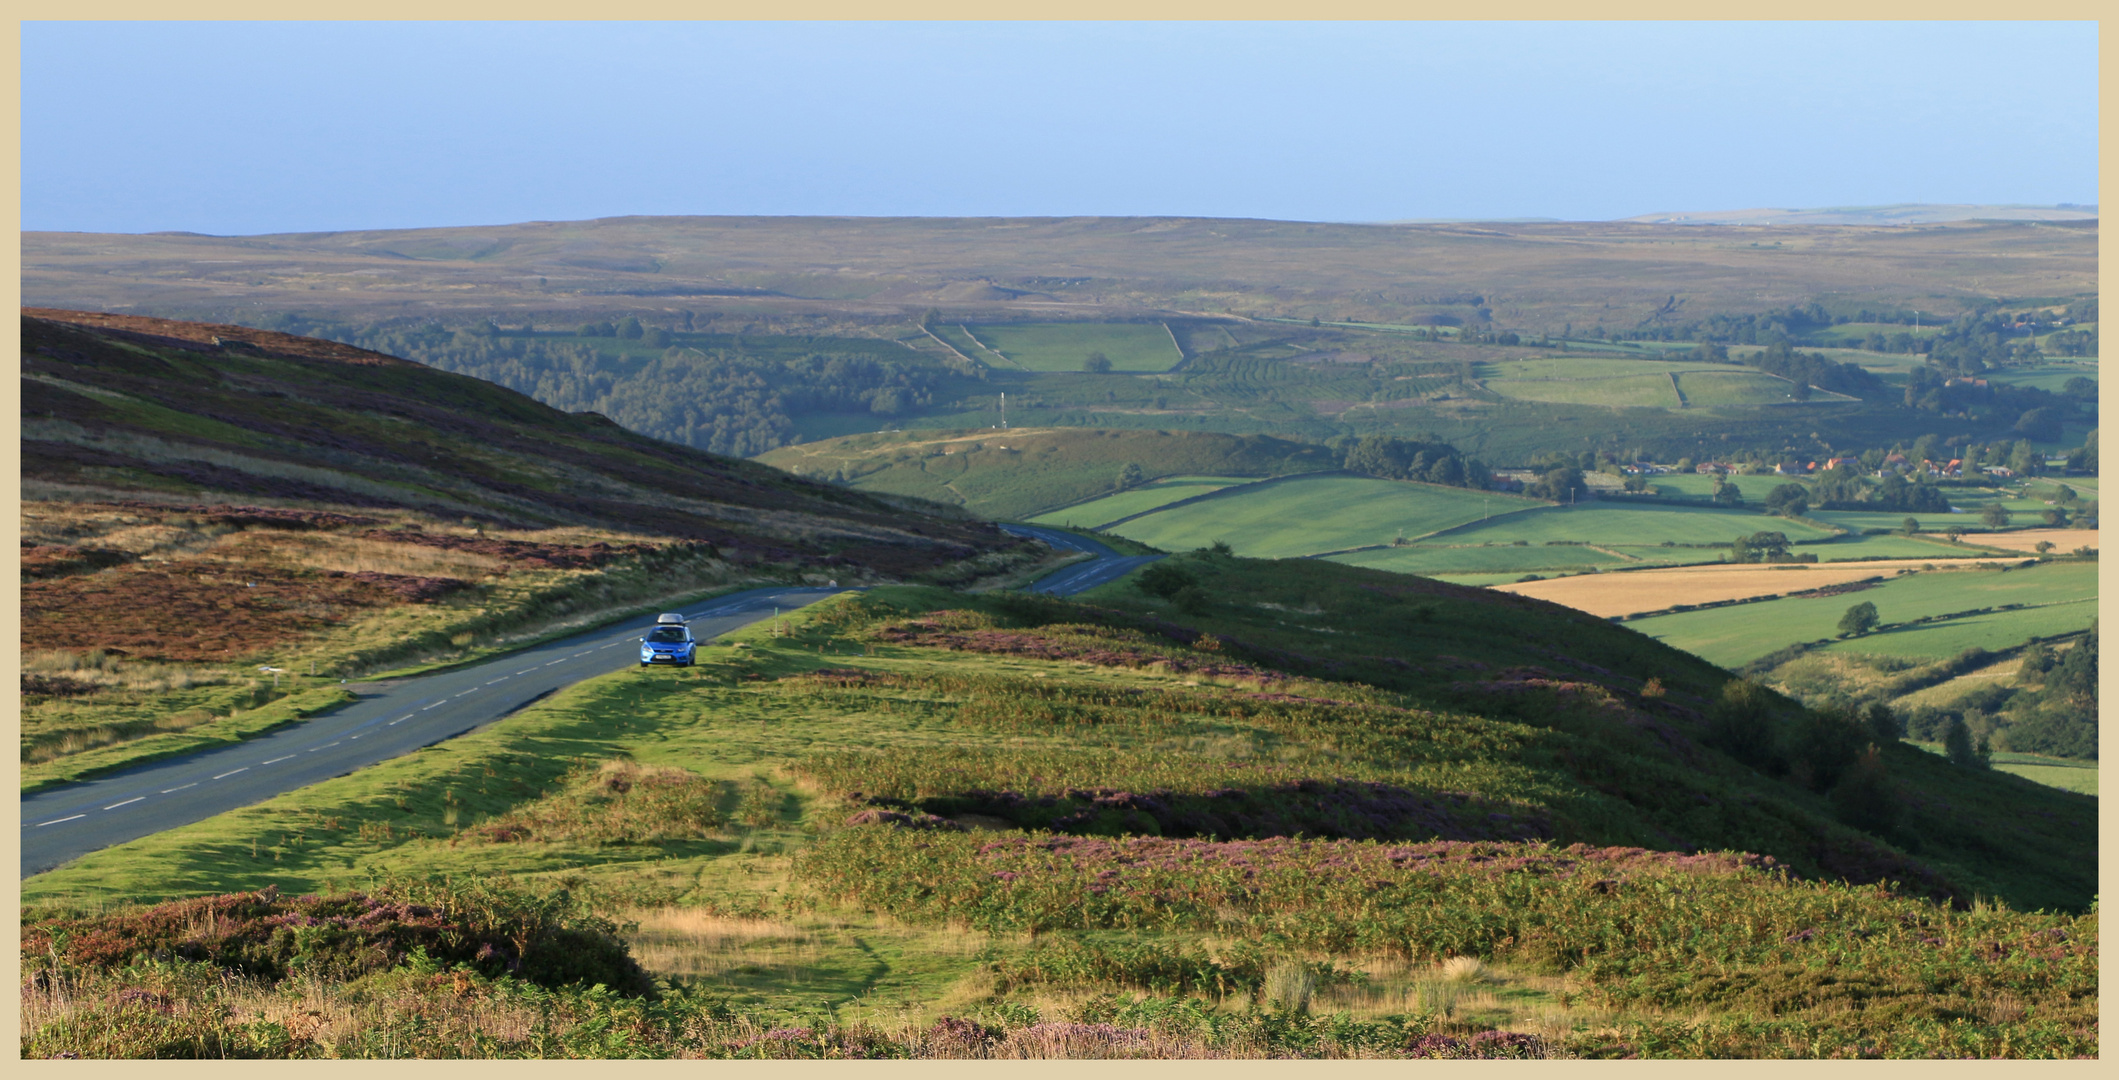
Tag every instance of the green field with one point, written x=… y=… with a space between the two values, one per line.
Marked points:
x=1858 y=546
x=1649 y=391
x=1734 y=635
x=1991 y=631
x=2049 y=376
x=1139 y=500
x=1143 y=347
x=1016 y=474
x=1430 y=561
x=2063 y=773
x=1636 y=525
x=1307 y=515
x=1727 y=387
x=1626 y=382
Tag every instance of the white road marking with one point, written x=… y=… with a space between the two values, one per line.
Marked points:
x=232 y=772
x=472 y=690
x=180 y=787
x=400 y=720
x=581 y=654
x=436 y=705
x=503 y=678
x=313 y=750
x=56 y=821
x=277 y=760
x=353 y=736
x=128 y=802
x=561 y=660
x=526 y=671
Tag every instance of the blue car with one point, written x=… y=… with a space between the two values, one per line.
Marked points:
x=668 y=644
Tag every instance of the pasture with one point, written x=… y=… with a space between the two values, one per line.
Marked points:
x=1645 y=391
x=2051 y=376
x=1311 y=514
x=1429 y=560
x=1616 y=382
x=1888 y=546
x=1732 y=636
x=1610 y=595
x=1138 y=500
x=1137 y=347
x=1990 y=630
x=1636 y=525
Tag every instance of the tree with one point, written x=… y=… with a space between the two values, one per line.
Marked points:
x=1953 y=531
x=1910 y=527
x=930 y=317
x=1957 y=743
x=630 y=329
x=1884 y=724
x=1866 y=798
x=1788 y=500
x=1130 y=474
x=1097 y=364
x=1859 y=620
x=1995 y=516
x=1740 y=723
x=1164 y=578
x=1726 y=493
x=2043 y=546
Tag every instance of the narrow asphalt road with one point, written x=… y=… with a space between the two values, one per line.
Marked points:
x=390 y=719
x=1108 y=566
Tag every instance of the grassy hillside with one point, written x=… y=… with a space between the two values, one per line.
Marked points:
x=201 y=500
x=1420 y=773
x=1310 y=514
x=1020 y=472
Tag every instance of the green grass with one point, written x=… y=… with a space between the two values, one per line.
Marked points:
x=1651 y=391
x=1307 y=515
x=1611 y=522
x=1888 y=546
x=1991 y=631
x=1711 y=388
x=1139 y=500
x=1017 y=474
x=1734 y=635
x=1063 y=346
x=730 y=852
x=2049 y=376
x=1428 y=560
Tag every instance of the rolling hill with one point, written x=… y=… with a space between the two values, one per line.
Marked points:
x=221 y=523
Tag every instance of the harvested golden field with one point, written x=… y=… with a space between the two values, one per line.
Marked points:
x=1632 y=591
x=2027 y=539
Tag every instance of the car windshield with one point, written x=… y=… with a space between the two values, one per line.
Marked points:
x=667 y=634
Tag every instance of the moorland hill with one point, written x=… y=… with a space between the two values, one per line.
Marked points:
x=1533 y=277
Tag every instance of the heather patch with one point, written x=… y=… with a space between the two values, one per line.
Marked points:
x=492 y=928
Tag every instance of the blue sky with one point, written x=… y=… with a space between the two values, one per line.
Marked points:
x=235 y=128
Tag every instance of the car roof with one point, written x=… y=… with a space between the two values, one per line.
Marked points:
x=668 y=618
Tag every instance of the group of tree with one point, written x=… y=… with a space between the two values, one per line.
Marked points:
x=722 y=399
x=2051 y=707
x=1766 y=547
x=1832 y=751
x=1814 y=369
x=1393 y=458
